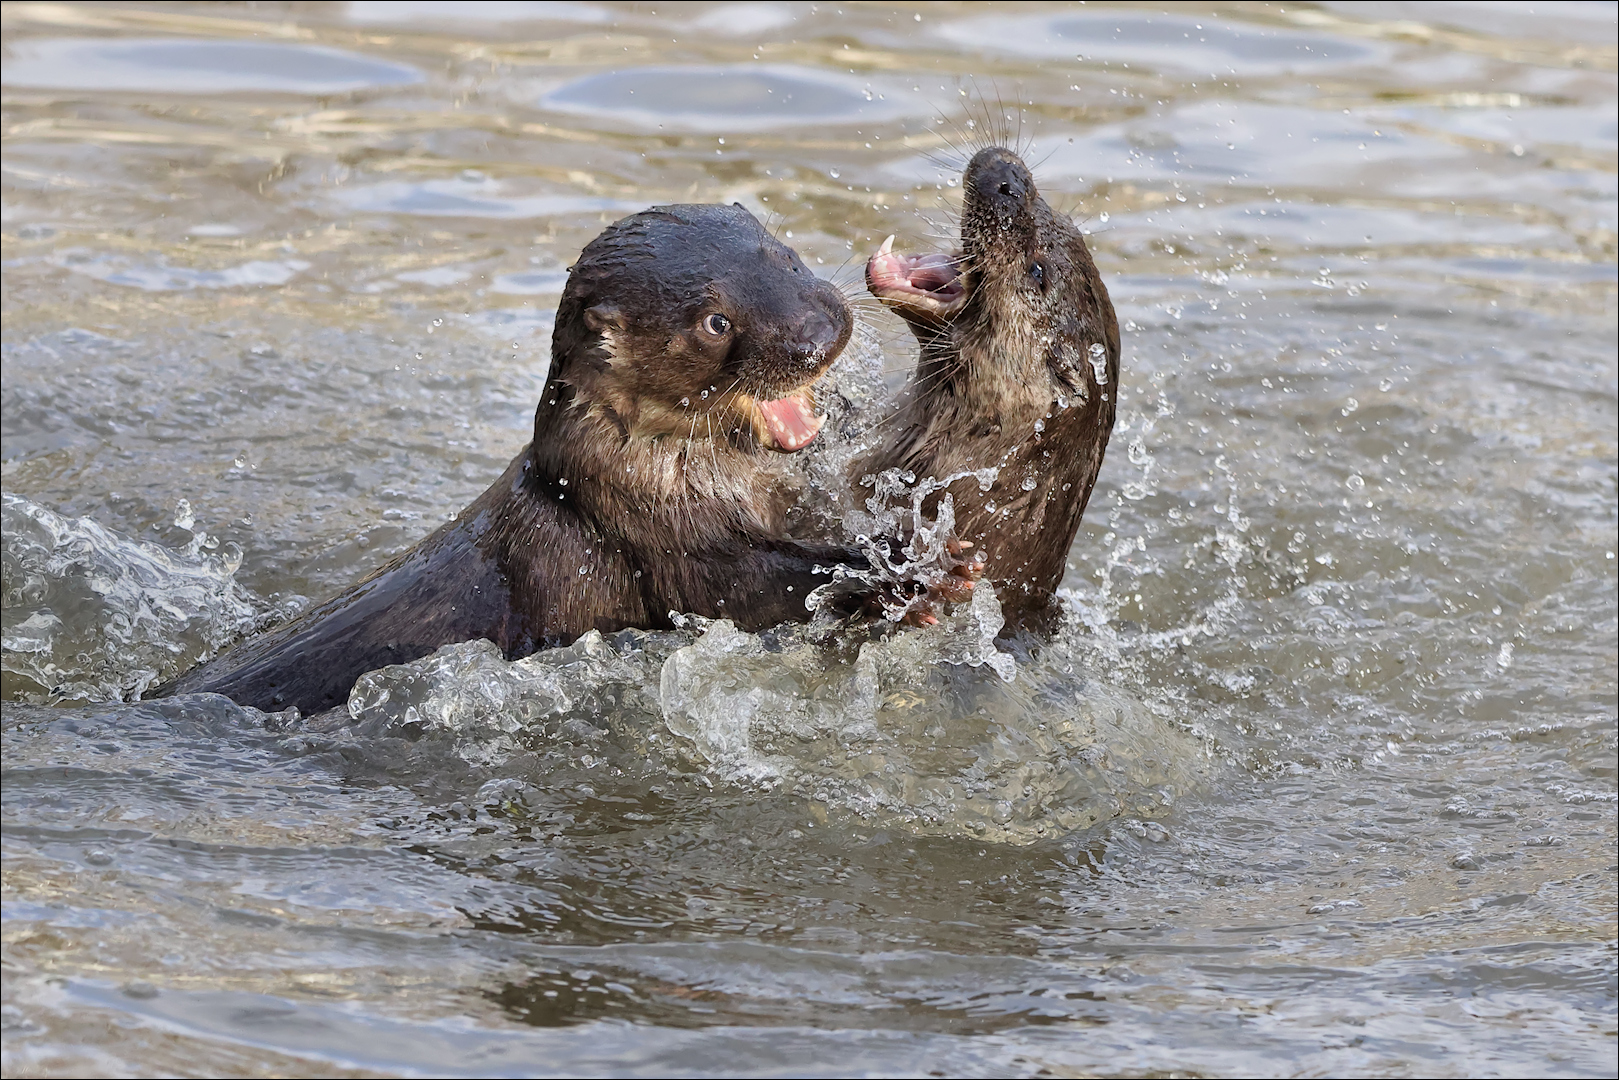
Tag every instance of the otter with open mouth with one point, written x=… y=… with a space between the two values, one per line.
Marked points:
x=1019 y=372
x=683 y=360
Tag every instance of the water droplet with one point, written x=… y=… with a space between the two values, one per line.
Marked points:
x=1098 y=358
x=1029 y=483
x=1386 y=385
x=438 y=322
x=1103 y=216
x=1504 y=657
x=1350 y=406
x=1039 y=425
x=833 y=173
x=685 y=403
x=1355 y=482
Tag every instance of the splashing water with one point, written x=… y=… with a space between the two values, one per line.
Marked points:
x=922 y=730
x=93 y=616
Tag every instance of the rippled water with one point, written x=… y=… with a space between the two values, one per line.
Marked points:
x=1319 y=777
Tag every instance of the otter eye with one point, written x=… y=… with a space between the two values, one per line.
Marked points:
x=1037 y=271
x=716 y=324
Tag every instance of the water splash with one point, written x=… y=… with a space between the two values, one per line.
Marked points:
x=923 y=730
x=94 y=616
x=491 y=709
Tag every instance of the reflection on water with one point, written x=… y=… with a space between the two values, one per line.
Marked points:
x=1162 y=42
x=178 y=66
x=1318 y=778
x=707 y=98
x=468 y=196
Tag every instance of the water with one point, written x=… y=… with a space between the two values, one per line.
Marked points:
x=1319 y=777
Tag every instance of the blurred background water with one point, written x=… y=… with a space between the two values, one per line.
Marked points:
x=1319 y=778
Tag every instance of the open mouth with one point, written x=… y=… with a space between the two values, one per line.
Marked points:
x=787 y=424
x=928 y=284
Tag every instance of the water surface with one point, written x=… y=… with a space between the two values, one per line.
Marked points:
x=1319 y=777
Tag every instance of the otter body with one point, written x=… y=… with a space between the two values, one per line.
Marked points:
x=1018 y=372
x=684 y=348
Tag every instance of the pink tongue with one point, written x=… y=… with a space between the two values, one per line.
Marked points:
x=792 y=424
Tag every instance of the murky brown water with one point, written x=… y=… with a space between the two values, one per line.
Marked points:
x=1319 y=779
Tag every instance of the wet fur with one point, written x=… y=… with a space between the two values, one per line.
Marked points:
x=993 y=373
x=639 y=496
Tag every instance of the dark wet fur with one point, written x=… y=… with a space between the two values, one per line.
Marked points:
x=992 y=371
x=639 y=495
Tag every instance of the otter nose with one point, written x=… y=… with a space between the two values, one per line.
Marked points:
x=1003 y=182
x=813 y=337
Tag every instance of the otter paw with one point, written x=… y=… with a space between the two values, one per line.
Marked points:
x=955 y=585
x=920 y=614
x=969 y=568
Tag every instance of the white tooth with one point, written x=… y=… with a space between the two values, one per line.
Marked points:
x=888 y=246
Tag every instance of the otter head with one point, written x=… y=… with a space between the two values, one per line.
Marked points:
x=694 y=322
x=1021 y=300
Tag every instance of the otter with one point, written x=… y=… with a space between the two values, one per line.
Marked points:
x=1019 y=372
x=683 y=356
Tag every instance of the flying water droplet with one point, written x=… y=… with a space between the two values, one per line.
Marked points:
x=1098 y=358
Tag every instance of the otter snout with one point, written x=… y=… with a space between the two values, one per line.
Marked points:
x=999 y=180
x=817 y=336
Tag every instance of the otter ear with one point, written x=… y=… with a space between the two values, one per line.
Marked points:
x=599 y=317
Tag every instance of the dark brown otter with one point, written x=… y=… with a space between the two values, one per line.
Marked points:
x=1019 y=372
x=684 y=349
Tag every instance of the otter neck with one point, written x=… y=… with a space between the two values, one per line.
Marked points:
x=985 y=364
x=661 y=488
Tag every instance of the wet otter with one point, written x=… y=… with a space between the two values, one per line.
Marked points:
x=1019 y=372
x=684 y=349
